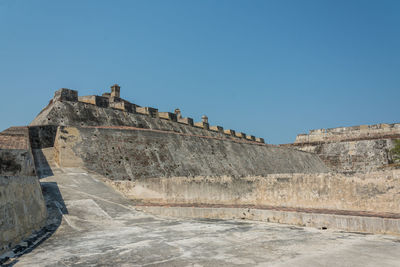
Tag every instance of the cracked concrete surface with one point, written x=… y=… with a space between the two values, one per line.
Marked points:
x=99 y=227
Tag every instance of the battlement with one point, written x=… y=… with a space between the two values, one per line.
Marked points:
x=114 y=101
x=359 y=132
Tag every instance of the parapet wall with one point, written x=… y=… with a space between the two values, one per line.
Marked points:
x=22 y=207
x=126 y=153
x=362 y=148
x=361 y=132
x=15 y=153
x=69 y=109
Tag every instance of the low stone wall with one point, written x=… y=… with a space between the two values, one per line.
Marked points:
x=373 y=192
x=351 y=223
x=132 y=153
x=22 y=209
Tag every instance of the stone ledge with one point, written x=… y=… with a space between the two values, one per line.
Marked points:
x=351 y=223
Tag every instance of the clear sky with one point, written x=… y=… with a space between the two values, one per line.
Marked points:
x=273 y=69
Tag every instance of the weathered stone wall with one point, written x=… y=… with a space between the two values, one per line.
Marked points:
x=373 y=192
x=133 y=153
x=15 y=152
x=362 y=148
x=22 y=209
x=102 y=111
x=16 y=162
x=352 y=156
x=354 y=133
x=42 y=136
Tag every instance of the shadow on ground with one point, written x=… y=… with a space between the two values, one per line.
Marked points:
x=55 y=209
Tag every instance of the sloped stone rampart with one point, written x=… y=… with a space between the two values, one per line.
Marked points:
x=79 y=113
x=363 y=148
x=130 y=154
x=353 y=133
x=352 y=156
x=22 y=209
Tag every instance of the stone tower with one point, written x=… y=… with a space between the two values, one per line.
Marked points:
x=115 y=90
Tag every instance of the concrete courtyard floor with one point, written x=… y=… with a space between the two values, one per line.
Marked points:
x=96 y=226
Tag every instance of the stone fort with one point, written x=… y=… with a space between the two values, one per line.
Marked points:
x=165 y=164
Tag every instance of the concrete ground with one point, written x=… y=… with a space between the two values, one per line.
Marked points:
x=92 y=225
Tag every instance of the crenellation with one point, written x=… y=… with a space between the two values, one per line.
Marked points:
x=113 y=100
x=251 y=137
x=65 y=94
x=240 y=135
x=202 y=124
x=230 y=132
x=187 y=121
x=260 y=140
x=99 y=101
x=349 y=133
x=217 y=129
x=124 y=106
x=167 y=116
x=153 y=112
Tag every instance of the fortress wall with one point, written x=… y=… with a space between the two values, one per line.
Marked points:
x=133 y=153
x=15 y=153
x=22 y=209
x=42 y=136
x=167 y=168
x=377 y=131
x=353 y=156
x=16 y=162
x=375 y=192
x=79 y=114
x=67 y=109
x=362 y=148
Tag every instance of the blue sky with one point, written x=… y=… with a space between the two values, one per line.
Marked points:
x=273 y=69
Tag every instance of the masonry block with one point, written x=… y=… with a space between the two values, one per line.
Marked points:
x=201 y=124
x=217 y=129
x=230 y=132
x=115 y=99
x=260 y=140
x=99 y=101
x=65 y=94
x=188 y=121
x=124 y=105
x=240 y=135
x=251 y=137
x=153 y=112
x=89 y=99
x=167 y=116
x=102 y=101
